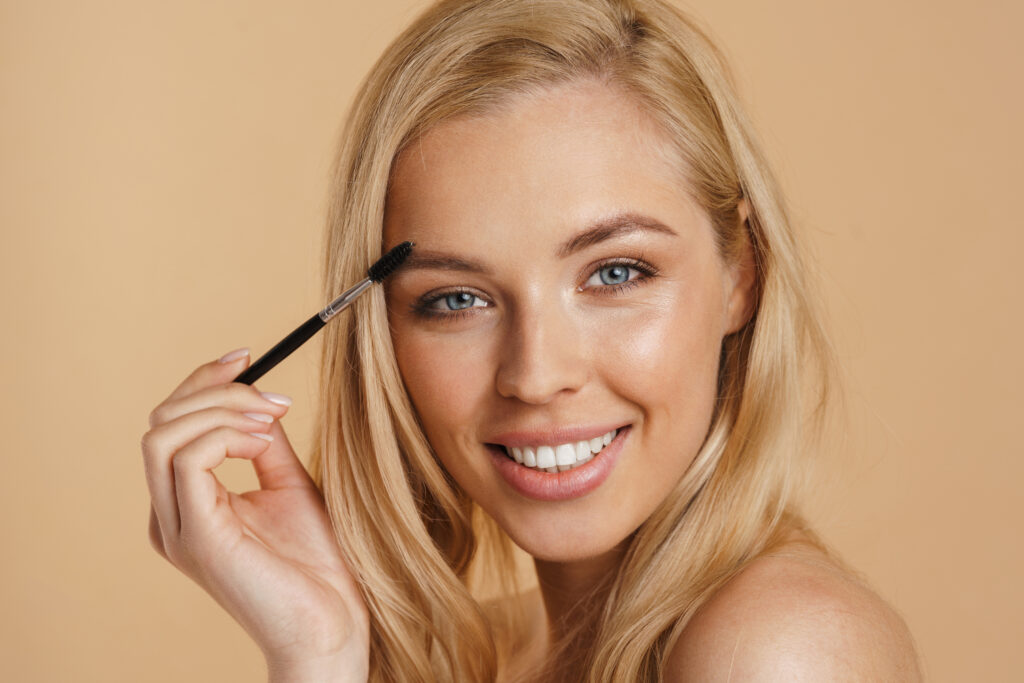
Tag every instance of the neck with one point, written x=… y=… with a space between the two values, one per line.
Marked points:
x=572 y=590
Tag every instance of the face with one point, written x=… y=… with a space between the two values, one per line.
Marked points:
x=564 y=306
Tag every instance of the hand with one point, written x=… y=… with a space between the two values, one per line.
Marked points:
x=269 y=557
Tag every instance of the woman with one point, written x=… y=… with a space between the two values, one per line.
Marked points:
x=595 y=353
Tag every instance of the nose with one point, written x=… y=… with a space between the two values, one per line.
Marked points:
x=543 y=357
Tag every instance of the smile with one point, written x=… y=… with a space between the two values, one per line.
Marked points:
x=562 y=457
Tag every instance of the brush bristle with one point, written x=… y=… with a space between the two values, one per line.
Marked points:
x=389 y=262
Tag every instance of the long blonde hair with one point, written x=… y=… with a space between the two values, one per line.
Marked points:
x=410 y=535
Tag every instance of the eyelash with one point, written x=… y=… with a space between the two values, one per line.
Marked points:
x=646 y=271
x=422 y=307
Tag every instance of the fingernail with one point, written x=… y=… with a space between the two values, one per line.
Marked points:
x=265 y=437
x=234 y=355
x=259 y=417
x=279 y=399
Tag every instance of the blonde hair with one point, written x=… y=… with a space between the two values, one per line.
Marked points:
x=411 y=536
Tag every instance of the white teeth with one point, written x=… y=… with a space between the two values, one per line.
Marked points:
x=583 y=451
x=565 y=454
x=562 y=457
x=546 y=457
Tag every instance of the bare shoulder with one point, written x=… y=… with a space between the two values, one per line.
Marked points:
x=794 y=615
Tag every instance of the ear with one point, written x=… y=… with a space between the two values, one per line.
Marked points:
x=741 y=293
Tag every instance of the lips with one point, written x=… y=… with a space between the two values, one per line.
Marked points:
x=573 y=481
x=560 y=457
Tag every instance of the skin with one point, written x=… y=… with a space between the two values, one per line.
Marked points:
x=545 y=342
x=795 y=615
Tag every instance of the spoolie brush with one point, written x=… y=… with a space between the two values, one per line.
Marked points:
x=385 y=266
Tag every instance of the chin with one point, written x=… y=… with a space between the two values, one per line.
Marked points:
x=554 y=545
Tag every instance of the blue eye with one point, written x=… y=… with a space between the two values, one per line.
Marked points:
x=449 y=303
x=459 y=300
x=613 y=275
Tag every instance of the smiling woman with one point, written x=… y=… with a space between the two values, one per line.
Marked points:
x=596 y=352
x=594 y=305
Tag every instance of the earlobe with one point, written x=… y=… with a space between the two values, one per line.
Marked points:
x=743 y=276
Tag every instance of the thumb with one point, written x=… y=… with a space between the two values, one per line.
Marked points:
x=278 y=467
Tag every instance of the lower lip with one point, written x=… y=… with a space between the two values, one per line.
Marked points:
x=552 y=486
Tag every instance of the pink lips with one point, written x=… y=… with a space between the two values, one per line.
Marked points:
x=554 y=486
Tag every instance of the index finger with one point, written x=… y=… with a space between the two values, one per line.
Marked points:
x=220 y=371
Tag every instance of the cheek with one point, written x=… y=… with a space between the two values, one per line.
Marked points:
x=447 y=382
x=665 y=348
x=665 y=361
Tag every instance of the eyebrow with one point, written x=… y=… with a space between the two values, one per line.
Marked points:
x=604 y=229
x=613 y=226
x=436 y=260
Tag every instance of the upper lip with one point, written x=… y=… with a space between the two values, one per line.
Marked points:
x=552 y=436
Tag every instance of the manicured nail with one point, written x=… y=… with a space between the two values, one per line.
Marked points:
x=279 y=399
x=265 y=437
x=234 y=355
x=259 y=417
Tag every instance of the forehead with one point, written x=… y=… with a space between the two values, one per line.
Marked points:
x=537 y=168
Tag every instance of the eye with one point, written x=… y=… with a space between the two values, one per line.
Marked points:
x=448 y=304
x=457 y=301
x=613 y=275
x=618 y=275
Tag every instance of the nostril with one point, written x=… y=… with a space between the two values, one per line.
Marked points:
x=538 y=365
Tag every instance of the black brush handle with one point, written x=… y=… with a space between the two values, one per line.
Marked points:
x=281 y=351
x=384 y=266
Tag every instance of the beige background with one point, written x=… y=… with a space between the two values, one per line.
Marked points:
x=162 y=183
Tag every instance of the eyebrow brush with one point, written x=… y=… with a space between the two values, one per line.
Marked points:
x=385 y=266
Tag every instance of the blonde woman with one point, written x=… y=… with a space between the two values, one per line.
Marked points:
x=597 y=352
